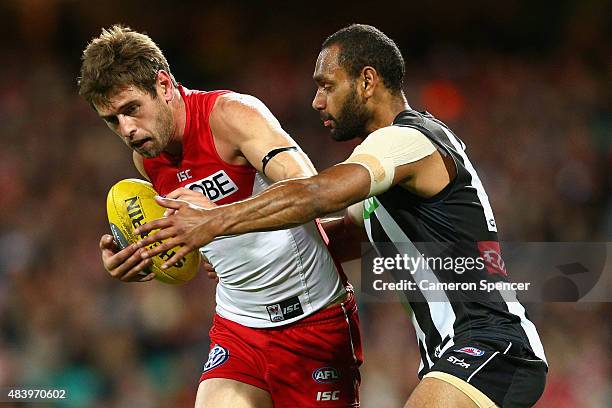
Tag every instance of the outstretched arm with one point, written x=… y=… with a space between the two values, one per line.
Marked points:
x=389 y=156
x=284 y=205
x=294 y=202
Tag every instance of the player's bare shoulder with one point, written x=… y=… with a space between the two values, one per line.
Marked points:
x=237 y=113
x=245 y=130
x=233 y=103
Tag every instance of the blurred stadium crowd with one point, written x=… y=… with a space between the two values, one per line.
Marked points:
x=531 y=102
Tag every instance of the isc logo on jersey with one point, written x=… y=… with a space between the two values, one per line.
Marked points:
x=217 y=356
x=215 y=187
x=286 y=309
x=279 y=313
x=328 y=395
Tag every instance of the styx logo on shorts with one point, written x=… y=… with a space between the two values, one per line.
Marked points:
x=284 y=310
x=472 y=351
x=458 y=361
x=217 y=356
x=326 y=375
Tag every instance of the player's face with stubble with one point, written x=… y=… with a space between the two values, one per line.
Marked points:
x=144 y=123
x=337 y=100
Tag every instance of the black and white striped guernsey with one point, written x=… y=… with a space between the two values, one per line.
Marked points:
x=460 y=216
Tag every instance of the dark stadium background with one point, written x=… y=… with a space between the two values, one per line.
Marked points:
x=525 y=84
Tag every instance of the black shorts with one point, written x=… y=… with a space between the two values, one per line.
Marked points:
x=508 y=373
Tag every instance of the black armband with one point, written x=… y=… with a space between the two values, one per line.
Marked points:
x=273 y=153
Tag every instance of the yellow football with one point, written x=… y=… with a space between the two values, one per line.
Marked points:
x=131 y=203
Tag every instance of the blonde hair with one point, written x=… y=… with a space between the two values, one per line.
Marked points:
x=118 y=58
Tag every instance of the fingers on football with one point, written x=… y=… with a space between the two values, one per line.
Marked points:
x=158 y=236
x=180 y=254
x=113 y=260
x=147 y=278
x=118 y=266
x=168 y=212
x=134 y=274
x=170 y=202
x=150 y=226
x=178 y=193
x=107 y=243
x=163 y=247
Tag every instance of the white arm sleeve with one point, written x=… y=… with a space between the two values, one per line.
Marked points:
x=387 y=148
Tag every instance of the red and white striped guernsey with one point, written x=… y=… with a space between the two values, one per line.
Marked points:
x=266 y=279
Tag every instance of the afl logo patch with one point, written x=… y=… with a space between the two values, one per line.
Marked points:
x=217 y=356
x=326 y=375
x=472 y=351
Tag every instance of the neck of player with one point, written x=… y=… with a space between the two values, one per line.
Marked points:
x=174 y=147
x=385 y=109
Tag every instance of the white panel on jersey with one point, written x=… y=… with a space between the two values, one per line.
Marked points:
x=516 y=308
x=422 y=338
x=260 y=270
x=441 y=311
x=512 y=302
x=476 y=183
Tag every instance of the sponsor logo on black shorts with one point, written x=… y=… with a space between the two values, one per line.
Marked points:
x=458 y=361
x=326 y=375
x=217 y=356
x=284 y=310
x=472 y=351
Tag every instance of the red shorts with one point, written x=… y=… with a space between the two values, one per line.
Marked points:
x=313 y=362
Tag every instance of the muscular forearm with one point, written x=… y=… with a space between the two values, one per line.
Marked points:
x=286 y=204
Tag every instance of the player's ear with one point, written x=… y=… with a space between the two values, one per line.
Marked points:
x=165 y=85
x=368 y=80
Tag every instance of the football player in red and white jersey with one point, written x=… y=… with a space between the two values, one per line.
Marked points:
x=415 y=185
x=286 y=330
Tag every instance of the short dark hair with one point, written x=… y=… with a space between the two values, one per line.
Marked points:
x=362 y=45
x=120 y=57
